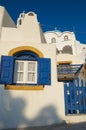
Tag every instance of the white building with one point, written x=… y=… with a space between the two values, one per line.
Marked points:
x=33 y=91
x=65 y=42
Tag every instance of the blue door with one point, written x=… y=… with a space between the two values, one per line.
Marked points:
x=75 y=96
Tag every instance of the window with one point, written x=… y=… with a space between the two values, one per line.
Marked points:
x=31 y=14
x=65 y=38
x=25 y=71
x=67 y=49
x=53 y=40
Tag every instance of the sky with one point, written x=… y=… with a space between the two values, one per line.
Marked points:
x=65 y=15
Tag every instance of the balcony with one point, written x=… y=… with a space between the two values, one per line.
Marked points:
x=67 y=72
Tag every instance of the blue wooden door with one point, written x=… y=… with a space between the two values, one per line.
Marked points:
x=75 y=96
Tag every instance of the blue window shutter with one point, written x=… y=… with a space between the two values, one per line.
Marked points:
x=44 y=71
x=7 y=69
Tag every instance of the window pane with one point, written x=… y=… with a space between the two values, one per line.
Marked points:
x=31 y=77
x=19 y=71
x=20 y=76
x=32 y=72
x=31 y=66
x=20 y=66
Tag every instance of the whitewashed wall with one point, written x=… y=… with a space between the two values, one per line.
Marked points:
x=21 y=108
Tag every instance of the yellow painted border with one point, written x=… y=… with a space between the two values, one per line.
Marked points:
x=64 y=62
x=25 y=48
x=21 y=87
x=16 y=87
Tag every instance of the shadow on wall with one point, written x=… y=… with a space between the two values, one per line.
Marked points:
x=12 y=113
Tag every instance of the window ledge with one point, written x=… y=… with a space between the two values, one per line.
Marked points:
x=19 y=87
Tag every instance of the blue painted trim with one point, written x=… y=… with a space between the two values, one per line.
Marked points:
x=26 y=54
x=7 y=67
